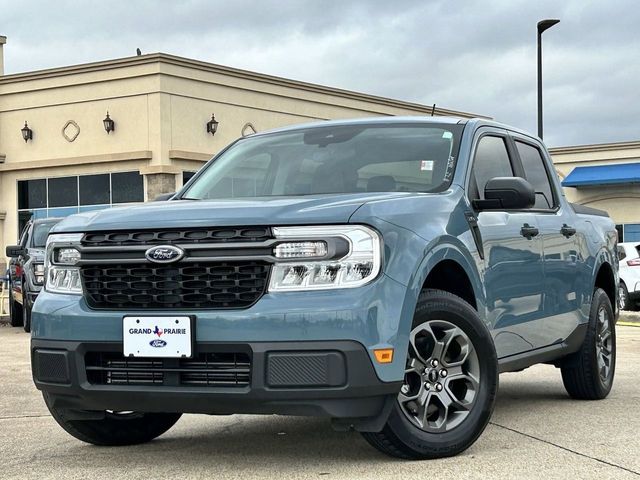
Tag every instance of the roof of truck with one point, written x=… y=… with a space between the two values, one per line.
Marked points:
x=390 y=120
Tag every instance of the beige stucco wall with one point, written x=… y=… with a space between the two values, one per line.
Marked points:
x=160 y=104
x=623 y=201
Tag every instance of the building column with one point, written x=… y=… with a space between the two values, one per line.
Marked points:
x=159 y=183
x=3 y=263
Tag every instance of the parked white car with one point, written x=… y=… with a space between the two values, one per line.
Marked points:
x=629 y=288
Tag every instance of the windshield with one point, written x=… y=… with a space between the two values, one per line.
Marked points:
x=40 y=232
x=334 y=159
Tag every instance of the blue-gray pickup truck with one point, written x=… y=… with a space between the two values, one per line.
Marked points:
x=377 y=272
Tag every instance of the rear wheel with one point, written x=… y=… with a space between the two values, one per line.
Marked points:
x=115 y=428
x=15 y=312
x=588 y=373
x=26 y=315
x=450 y=384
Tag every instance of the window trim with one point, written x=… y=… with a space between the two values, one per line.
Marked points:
x=516 y=165
x=481 y=133
x=515 y=137
x=24 y=236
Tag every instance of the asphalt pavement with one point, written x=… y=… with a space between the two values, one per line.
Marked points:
x=536 y=432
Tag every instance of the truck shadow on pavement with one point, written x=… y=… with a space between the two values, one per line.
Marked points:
x=289 y=442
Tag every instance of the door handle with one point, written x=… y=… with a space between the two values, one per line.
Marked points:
x=567 y=231
x=528 y=231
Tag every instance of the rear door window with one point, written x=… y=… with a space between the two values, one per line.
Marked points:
x=536 y=174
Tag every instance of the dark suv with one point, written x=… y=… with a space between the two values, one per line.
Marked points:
x=26 y=270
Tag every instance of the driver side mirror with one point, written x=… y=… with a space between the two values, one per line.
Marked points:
x=14 y=251
x=507 y=193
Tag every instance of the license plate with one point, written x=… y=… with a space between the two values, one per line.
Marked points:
x=157 y=336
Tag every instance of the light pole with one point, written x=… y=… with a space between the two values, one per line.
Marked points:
x=542 y=26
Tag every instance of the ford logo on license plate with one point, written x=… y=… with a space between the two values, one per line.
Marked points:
x=157 y=343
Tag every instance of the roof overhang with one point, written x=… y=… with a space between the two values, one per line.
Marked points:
x=598 y=175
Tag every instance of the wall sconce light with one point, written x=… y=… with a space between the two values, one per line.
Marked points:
x=109 y=125
x=27 y=133
x=212 y=125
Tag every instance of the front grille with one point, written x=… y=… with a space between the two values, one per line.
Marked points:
x=204 y=370
x=216 y=285
x=177 y=236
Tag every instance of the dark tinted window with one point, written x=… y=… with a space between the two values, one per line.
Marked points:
x=536 y=174
x=63 y=192
x=32 y=194
x=94 y=190
x=186 y=176
x=40 y=233
x=127 y=187
x=491 y=160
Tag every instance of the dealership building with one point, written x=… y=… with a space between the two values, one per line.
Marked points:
x=59 y=155
x=604 y=176
x=104 y=134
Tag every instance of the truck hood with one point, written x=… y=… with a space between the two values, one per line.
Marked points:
x=303 y=210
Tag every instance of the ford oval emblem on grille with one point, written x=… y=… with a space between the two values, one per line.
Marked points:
x=164 y=254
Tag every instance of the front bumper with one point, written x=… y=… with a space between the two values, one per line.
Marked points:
x=333 y=379
x=376 y=315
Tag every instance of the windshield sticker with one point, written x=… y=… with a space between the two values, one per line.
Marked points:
x=451 y=163
x=426 y=165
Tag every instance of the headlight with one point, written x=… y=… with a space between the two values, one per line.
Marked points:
x=61 y=275
x=38 y=273
x=325 y=257
x=66 y=256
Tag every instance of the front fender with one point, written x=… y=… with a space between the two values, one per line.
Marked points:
x=438 y=251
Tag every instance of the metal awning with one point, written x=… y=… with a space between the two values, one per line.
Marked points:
x=616 y=174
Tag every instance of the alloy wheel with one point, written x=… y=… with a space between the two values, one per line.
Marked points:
x=622 y=300
x=604 y=346
x=442 y=377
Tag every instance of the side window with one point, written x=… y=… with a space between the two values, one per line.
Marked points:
x=536 y=174
x=24 y=235
x=491 y=160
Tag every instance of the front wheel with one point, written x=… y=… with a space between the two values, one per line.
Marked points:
x=115 y=428
x=450 y=384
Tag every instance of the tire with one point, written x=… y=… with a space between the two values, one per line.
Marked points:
x=624 y=302
x=15 y=312
x=438 y=435
x=115 y=429
x=26 y=316
x=588 y=373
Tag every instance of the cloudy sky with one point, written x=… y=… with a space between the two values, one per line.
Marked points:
x=476 y=56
